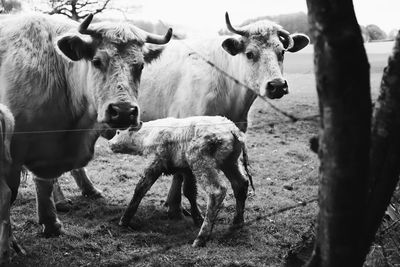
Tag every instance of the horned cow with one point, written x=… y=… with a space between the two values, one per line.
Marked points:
x=197 y=146
x=66 y=83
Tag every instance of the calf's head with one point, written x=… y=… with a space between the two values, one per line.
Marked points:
x=125 y=142
x=114 y=57
x=262 y=46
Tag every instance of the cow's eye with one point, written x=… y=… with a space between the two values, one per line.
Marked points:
x=250 y=55
x=97 y=62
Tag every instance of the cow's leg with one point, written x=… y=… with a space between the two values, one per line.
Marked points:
x=206 y=174
x=5 y=225
x=190 y=192
x=46 y=207
x=9 y=185
x=63 y=204
x=174 y=198
x=239 y=186
x=85 y=184
x=151 y=174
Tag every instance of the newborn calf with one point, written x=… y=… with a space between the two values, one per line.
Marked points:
x=198 y=146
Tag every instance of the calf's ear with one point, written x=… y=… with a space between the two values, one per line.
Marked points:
x=151 y=52
x=300 y=41
x=233 y=46
x=74 y=48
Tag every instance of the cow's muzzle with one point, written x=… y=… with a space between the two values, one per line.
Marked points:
x=277 y=88
x=122 y=115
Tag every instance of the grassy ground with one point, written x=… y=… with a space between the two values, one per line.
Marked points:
x=285 y=174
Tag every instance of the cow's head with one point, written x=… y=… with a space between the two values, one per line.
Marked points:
x=263 y=45
x=115 y=54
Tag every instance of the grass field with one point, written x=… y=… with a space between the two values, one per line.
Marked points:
x=285 y=173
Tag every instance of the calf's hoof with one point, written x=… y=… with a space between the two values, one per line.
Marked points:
x=123 y=222
x=93 y=193
x=199 y=242
x=53 y=229
x=64 y=205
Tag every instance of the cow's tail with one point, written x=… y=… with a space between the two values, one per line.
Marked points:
x=6 y=132
x=241 y=138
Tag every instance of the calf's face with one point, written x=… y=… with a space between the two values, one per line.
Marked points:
x=124 y=142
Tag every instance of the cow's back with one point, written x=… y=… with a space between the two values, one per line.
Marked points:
x=31 y=71
x=180 y=83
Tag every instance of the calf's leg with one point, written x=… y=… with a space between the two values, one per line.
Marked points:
x=239 y=186
x=46 y=207
x=151 y=174
x=174 y=198
x=206 y=174
x=190 y=192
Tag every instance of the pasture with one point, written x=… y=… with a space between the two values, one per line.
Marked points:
x=285 y=174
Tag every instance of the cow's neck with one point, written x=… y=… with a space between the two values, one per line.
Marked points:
x=78 y=92
x=238 y=99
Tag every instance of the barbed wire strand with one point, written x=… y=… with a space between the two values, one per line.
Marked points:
x=291 y=117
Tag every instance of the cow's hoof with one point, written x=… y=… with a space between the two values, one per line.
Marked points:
x=175 y=214
x=199 y=242
x=64 y=205
x=123 y=222
x=53 y=229
x=238 y=222
x=94 y=193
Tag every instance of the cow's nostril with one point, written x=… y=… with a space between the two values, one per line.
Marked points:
x=113 y=111
x=134 y=111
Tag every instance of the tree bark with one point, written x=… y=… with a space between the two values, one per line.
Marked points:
x=385 y=146
x=342 y=78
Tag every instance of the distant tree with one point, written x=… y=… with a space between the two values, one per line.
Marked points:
x=294 y=22
x=376 y=33
x=365 y=34
x=392 y=34
x=76 y=9
x=9 y=6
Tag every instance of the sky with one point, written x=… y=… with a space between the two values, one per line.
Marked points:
x=208 y=15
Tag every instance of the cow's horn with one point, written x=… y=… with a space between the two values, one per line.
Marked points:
x=230 y=28
x=83 y=28
x=287 y=40
x=158 y=39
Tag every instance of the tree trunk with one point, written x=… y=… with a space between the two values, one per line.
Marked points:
x=342 y=78
x=385 y=146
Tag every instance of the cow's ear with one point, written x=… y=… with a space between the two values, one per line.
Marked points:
x=151 y=52
x=75 y=48
x=233 y=46
x=300 y=41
